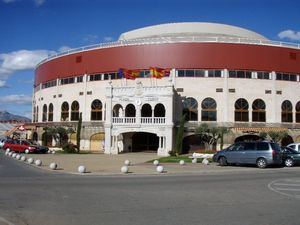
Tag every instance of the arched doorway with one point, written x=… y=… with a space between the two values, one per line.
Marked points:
x=73 y=138
x=143 y=141
x=192 y=143
x=287 y=140
x=248 y=137
x=47 y=139
x=35 y=137
x=97 y=142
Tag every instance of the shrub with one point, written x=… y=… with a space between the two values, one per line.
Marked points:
x=70 y=148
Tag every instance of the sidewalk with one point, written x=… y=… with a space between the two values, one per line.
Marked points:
x=102 y=164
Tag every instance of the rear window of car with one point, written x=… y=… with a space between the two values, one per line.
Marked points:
x=261 y=146
x=275 y=147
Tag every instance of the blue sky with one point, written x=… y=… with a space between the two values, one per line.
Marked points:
x=32 y=29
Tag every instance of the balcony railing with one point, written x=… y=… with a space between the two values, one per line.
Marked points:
x=142 y=120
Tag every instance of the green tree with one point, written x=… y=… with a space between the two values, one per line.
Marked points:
x=59 y=134
x=179 y=136
x=277 y=136
x=211 y=134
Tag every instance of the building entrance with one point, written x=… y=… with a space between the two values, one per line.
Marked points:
x=143 y=141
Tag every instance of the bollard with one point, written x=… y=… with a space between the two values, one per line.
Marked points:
x=124 y=169
x=181 y=162
x=81 y=169
x=38 y=162
x=127 y=162
x=160 y=169
x=53 y=166
x=155 y=162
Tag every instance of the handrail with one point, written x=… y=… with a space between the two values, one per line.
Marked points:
x=169 y=40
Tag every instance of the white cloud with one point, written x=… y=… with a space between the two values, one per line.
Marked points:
x=90 y=38
x=2 y=83
x=64 y=48
x=39 y=2
x=8 y=1
x=16 y=99
x=107 y=39
x=20 y=60
x=290 y=34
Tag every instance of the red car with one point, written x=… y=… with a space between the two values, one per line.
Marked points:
x=24 y=146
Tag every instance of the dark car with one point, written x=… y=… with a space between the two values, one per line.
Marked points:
x=290 y=157
x=23 y=146
x=260 y=153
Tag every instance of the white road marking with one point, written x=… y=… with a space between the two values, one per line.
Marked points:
x=287 y=187
x=5 y=221
x=287 y=184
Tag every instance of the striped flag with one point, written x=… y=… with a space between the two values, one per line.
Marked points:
x=159 y=72
x=128 y=74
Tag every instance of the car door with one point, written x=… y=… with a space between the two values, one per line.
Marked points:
x=249 y=153
x=235 y=153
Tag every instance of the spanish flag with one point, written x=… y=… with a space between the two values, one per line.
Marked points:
x=159 y=72
x=128 y=74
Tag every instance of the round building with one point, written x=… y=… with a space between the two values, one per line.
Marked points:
x=218 y=74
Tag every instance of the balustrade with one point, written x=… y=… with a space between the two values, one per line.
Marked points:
x=143 y=120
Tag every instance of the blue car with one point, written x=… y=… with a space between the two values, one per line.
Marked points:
x=260 y=153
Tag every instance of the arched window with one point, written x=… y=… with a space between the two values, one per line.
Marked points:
x=159 y=110
x=34 y=114
x=75 y=111
x=258 y=111
x=146 y=110
x=209 y=110
x=96 y=110
x=44 y=118
x=50 y=113
x=118 y=111
x=37 y=114
x=298 y=112
x=190 y=108
x=130 y=111
x=286 y=112
x=241 y=112
x=65 y=111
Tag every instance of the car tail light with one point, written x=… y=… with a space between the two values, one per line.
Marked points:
x=273 y=153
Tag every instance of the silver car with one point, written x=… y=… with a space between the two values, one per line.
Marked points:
x=260 y=153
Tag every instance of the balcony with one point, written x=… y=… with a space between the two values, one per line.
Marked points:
x=142 y=120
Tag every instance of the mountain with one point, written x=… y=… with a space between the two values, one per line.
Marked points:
x=6 y=116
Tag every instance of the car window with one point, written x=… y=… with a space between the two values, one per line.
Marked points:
x=261 y=146
x=238 y=147
x=249 y=146
x=292 y=146
x=275 y=146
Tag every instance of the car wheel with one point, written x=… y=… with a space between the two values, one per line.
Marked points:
x=222 y=161
x=261 y=163
x=289 y=162
x=26 y=151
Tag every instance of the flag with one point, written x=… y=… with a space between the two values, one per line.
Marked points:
x=128 y=74
x=159 y=72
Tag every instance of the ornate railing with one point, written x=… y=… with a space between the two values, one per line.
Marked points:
x=142 y=120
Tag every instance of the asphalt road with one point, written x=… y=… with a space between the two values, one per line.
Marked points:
x=31 y=196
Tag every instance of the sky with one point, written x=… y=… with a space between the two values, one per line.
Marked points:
x=30 y=30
